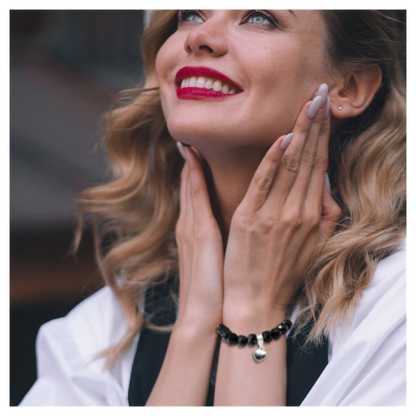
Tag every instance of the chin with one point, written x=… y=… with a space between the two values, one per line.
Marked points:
x=197 y=132
x=190 y=132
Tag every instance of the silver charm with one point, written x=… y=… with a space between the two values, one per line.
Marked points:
x=260 y=354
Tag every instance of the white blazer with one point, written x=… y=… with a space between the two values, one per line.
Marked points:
x=367 y=357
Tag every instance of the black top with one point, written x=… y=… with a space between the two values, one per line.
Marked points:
x=304 y=365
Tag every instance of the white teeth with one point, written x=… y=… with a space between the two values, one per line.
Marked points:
x=202 y=82
x=217 y=86
x=192 y=82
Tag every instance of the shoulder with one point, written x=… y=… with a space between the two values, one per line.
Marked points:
x=386 y=293
x=367 y=363
x=95 y=324
x=382 y=303
x=68 y=371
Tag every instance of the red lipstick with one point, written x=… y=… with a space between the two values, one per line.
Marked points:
x=195 y=93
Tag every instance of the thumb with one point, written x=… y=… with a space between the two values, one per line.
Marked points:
x=201 y=158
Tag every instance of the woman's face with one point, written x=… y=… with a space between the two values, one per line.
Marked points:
x=271 y=63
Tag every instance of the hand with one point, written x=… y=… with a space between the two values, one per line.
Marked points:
x=200 y=249
x=284 y=214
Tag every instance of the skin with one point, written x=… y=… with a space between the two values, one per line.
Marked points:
x=274 y=93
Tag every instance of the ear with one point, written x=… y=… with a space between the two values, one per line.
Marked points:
x=353 y=93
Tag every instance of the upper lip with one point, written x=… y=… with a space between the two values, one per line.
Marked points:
x=202 y=71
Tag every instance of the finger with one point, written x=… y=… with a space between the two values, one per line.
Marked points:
x=313 y=164
x=264 y=176
x=181 y=234
x=201 y=203
x=291 y=160
x=182 y=193
x=317 y=175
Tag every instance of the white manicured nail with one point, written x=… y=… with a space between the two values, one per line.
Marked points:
x=314 y=107
x=286 y=141
x=327 y=183
x=179 y=145
x=322 y=92
x=328 y=107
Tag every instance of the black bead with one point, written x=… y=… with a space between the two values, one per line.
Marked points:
x=242 y=340
x=283 y=328
x=219 y=327
x=267 y=336
x=232 y=338
x=276 y=333
x=224 y=333
x=252 y=339
x=288 y=323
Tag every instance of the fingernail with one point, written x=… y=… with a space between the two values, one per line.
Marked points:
x=286 y=141
x=328 y=107
x=314 y=107
x=327 y=183
x=322 y=92
x=179 y=145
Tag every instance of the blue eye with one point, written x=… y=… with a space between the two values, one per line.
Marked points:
x=255 y=17
x=258 y=20
x=190 y=16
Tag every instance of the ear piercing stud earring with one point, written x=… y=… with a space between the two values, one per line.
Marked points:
x=340 y=108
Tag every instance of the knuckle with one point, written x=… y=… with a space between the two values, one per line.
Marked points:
x=196 y=189
x=263 y=182
x=337 y=212
x=312 y=218
x=240 y=221
x=292 y=220
x=321 y=164
x=304 y=127
x=272 y=158
x=308 y=157
x=269 y=223
x=290 y=163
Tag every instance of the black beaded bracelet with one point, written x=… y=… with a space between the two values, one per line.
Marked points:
x=267 y=336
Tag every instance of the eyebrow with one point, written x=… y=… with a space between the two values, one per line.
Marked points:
x=264 y=7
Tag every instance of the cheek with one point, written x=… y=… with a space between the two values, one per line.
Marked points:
x=164 y=61
x=286 y=81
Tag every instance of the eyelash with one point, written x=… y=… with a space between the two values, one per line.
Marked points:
x=184 y=14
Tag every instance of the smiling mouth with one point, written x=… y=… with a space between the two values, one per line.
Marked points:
x=201 y=83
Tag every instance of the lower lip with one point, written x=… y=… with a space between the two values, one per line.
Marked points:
x=191 y=93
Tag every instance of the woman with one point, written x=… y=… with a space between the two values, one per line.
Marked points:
x=266 y=102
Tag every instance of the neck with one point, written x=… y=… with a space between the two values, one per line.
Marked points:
x=228 y=179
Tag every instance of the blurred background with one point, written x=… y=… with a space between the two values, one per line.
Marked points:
x=66 y=68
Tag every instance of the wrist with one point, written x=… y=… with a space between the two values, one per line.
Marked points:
x=252 y=318
x=190 y=328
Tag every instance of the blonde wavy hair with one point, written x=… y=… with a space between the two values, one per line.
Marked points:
x=133 y=217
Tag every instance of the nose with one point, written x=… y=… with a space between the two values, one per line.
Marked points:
x=207 y=38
